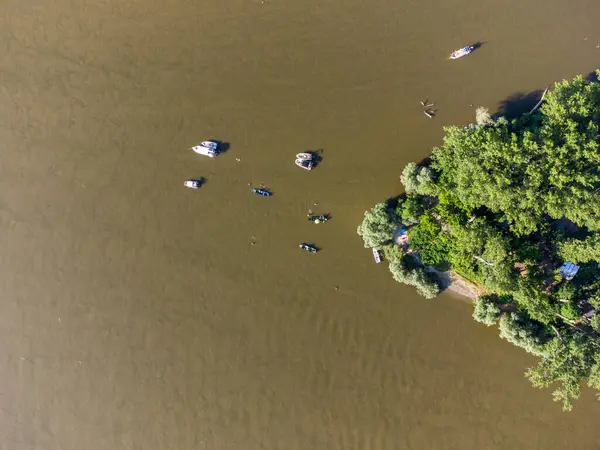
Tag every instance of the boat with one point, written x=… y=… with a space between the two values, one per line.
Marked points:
x=318 y=219
x=262 y=192
x=462 y=52
x=192 y=184
x=309 y=248
x=210 y=144
x=202 y=150
x=304 y=156
x=305 y=164
x=377 y=256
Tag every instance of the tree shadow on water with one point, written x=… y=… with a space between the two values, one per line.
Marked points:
x=518 y=104
x=592 y=77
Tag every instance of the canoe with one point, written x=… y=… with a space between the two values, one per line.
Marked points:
x=318 y=219
x=262 y=192
x=309 y=248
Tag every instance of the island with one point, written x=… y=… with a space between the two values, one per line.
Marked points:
x=511 y=207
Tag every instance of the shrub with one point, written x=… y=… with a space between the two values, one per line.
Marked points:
x=486 y=311
x=378 y=226
x=418 y=180
x=416 y=277
x=521 y=332
x=570 y=311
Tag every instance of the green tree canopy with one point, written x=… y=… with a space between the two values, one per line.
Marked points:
x=418 y=179
x=521 y=332
x=491 y=208
x=567 y=360
x=578 y=251
x=416 y=277
x=378 y=226
x=486 y=310
x=527 y=173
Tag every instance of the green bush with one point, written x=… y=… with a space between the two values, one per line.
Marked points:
x=416 y=277
x=570 y=311
x=486 y=311
x=378 y=226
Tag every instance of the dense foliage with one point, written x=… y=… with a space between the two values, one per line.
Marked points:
x=503 y=204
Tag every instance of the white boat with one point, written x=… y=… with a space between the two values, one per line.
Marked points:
x=305 y=164
x=462 y=52
x=304 y=156
x=377 y=256
x=210 y=144
x=192 y=184
x=202 y=150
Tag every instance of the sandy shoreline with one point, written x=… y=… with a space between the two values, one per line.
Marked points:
x=452 y=283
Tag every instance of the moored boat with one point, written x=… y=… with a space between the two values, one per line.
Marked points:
x=304 y=156
x=305 y=164
x=210 y=144
x=377 y=256
x=462 y=52
x=262 y=192
x=318 y=219
x=202 y=150
x=308 y=248
x=192 y=184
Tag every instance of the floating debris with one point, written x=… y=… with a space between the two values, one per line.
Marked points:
x=428 y=114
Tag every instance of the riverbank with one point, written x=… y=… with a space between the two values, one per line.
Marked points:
x=451 y=282
x=524 y=235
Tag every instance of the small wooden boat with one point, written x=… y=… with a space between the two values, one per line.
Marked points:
x=305 y=164
x=210 y=144
x=304 y=156
x=262 y=192
x=308 y=248
x=192 y=184
x=318 y=219
x=462 y=52
x=377 y=256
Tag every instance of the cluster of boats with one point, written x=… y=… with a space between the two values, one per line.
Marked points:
x=305 y=160
x=207 y=148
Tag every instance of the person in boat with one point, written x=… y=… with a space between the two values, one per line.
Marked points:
x=318 y=219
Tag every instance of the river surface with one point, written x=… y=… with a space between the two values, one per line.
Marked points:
x=136 y=314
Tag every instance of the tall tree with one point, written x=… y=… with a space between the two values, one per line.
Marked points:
x=578 y=251
x=526 y=173
x=378 y=226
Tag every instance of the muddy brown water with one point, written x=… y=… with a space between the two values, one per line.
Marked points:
x=137 y=315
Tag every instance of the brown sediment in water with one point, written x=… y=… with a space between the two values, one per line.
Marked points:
x=134 y=312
